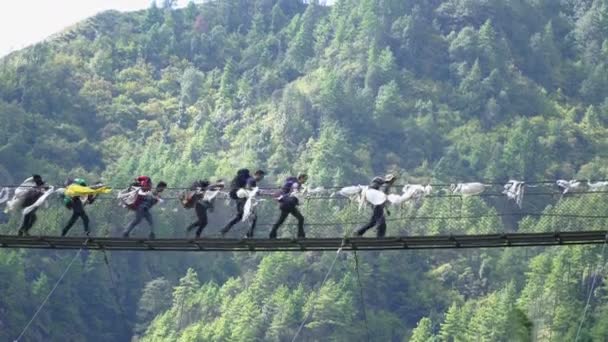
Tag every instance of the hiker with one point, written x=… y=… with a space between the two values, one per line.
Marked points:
x=32 y=189
x=378 y=219
x=142 y=199
x=197 y=198
x=242 y=180
x=76 y=204
x=288 y=204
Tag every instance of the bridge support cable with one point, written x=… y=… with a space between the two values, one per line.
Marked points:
x=362 y=296
x=597 y=271
x=333 y=263
x=48 y=296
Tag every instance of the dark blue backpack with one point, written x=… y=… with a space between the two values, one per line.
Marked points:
x=288 y=185
x=240 y=181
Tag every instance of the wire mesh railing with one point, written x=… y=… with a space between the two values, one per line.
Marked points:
x=543 y=209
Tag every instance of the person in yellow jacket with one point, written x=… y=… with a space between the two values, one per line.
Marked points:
x=76 y=195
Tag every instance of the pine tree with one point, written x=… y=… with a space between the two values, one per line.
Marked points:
x=423 y=331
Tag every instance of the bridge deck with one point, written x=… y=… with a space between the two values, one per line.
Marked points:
x=266 y=245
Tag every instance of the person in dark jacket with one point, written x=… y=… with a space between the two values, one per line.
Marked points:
x=195 y=198
x=243 y=180
x=378 y=219
x=77 y=204
x=32 y=195
x=146 y=200
x=288 y=204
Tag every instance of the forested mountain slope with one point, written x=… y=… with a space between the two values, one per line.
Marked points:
x=436 y=90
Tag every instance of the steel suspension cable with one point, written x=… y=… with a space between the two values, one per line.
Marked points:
x=51 y=292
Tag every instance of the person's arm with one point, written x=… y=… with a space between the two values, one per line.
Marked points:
x=216 y=186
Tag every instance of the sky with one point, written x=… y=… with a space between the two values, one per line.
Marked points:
x=25 y=22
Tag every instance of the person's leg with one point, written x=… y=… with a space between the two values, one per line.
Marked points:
x=77 y=211
x=70 y=223
x=254 y=219
x=198 y=218
x=85 y=222
x=25 y=225
x=201 y=213
x=372 y=222
x=31 y=222
x=381 y=230
x=275 y=227
x=148 y=216
x=139 y=215
x=240 y=210
x=296 y=213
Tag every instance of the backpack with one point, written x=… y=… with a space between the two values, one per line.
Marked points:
x=145 y=182
x=188 y=199
x=129 y=197
x=288 y=185
x=67 y=202
x=238 y=182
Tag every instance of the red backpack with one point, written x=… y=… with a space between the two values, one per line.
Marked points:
x=145 y=182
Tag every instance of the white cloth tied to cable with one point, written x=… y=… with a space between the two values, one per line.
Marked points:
x=362 y=194
x=468 y=189
x=515 y=191
x=4 y=194
x=355 y=193
x=569 y=186
x=313 y=191
x=350 y=191
x=598 y=186
x=413 y=192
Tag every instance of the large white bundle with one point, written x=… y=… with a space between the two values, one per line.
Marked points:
x=375 y=197
x=20 y=194
x=210 y=195
x=39 y=202
x=250 y=204
x=129 y=196
x=242 y=193
x=468 y=189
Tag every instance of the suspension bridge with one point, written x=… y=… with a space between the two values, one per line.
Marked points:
x=440 y=220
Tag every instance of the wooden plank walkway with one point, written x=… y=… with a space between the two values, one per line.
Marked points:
x=314 y=244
